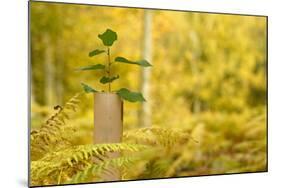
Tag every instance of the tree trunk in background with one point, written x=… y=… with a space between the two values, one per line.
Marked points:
x=59 y=72
x=59 y=64
x=48 y=71
x=195 y=71
x=145 y=110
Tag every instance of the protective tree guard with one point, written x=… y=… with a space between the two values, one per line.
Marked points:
x=108 y=125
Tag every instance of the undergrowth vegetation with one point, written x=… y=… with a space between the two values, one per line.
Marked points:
x=56 y=159
x=212 y=144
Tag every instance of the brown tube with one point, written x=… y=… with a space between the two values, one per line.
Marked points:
x=108 y=125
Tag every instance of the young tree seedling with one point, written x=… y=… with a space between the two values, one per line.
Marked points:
x=108 y=38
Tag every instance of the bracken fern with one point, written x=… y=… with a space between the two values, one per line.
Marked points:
x=55 y=160
x=77 y=162
x=158 y=136
x=49 y=136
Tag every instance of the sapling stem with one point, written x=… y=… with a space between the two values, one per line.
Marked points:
x=108 y=72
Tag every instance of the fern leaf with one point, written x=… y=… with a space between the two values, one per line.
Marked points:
x=47 y=137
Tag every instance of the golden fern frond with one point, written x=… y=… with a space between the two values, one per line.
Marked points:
x=165 y=142
x=64 y=164
x=49 y=134
x=166 y=137
x=156 y=168
x=95 y=170
x=74 y=154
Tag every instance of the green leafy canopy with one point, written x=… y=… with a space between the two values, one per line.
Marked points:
x=142 y=63
x=108 y=37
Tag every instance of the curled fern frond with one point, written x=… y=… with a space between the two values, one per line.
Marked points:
x=49 y=134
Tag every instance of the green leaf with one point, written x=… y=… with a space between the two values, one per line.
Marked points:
x=108 y=37
x=142 y=63
x=88 y=89
x=130 y=96
x=92 y=67
x=105 y=79
x=96 y=52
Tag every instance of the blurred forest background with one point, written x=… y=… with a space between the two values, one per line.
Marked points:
x=208 y=78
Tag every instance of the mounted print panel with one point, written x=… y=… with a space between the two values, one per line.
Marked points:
x=119 y=93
